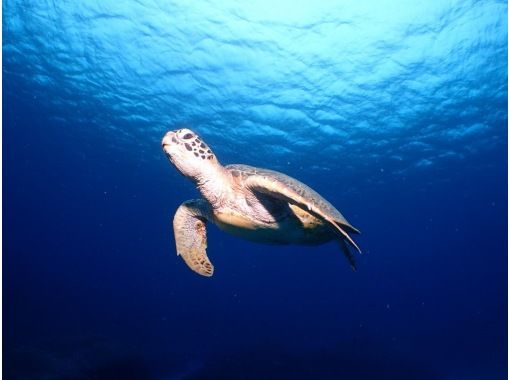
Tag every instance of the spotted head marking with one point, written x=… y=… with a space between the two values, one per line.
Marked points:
x=187 y=152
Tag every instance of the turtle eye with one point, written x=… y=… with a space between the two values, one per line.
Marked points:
x=187 y=136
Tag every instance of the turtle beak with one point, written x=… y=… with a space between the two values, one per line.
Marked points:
x=168 y=142
x=168 y=139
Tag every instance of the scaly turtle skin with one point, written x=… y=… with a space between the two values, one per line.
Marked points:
x=261 y=205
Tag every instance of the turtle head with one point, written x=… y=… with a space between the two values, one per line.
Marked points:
x=188 y=153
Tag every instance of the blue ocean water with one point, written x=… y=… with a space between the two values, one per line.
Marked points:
x=395 y=111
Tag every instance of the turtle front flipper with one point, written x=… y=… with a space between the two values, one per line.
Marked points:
x=190 y=235
x=290 y=190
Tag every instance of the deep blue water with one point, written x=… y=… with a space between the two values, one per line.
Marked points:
x=394 y=111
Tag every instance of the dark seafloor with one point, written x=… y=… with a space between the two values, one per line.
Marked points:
x=395 y=111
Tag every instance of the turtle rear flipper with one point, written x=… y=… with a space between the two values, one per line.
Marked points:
x=348 y=254
x=190 y=235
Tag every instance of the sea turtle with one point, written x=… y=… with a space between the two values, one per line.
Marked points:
x=256 y=204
